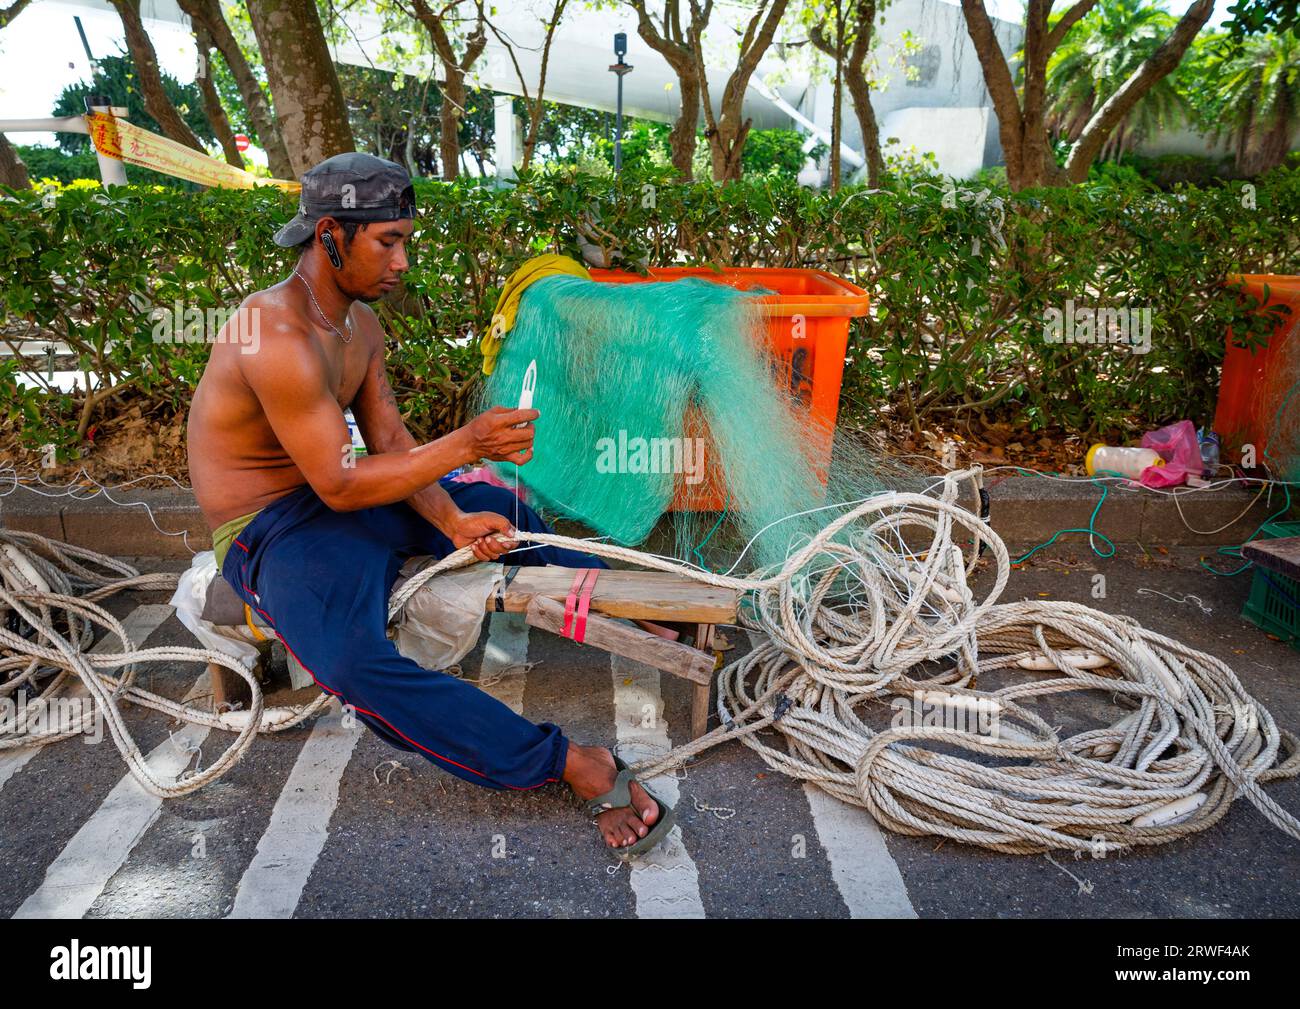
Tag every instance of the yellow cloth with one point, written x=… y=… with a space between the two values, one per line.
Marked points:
x=503 y=316
x=225 y=534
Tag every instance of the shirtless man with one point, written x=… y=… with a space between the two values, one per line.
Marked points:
x=313 y=537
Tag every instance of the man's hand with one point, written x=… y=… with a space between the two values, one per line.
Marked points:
x=479 y=529
x=502 y=434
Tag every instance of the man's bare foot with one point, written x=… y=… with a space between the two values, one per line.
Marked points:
x=590 y=771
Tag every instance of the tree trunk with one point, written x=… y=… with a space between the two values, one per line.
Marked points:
x=675 y=45
x=1001 y=86
x=212 y=108
x=454 y=96
x=7 y=14
x=535 y=112
x=855 y=78
x=208 y=14
x=304 y=85
x=727 y=132
x=860 y=91
x=1039 y=163
x=1158 y=65
x=13 y=172
x=726 y=144
x=1262 y=146
x=151 y=84
x=454 y=92
x=1022 y=126
x=681 y=139
x=837 y=100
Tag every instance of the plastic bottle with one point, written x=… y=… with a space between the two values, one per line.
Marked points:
x=1210 y=447
x=1126 y=460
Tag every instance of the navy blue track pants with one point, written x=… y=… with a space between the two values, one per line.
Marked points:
x=322 y=578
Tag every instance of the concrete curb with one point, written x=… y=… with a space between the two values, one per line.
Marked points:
x=1026 y=511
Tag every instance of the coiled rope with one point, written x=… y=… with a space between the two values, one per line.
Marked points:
x=875 y=609
x=852 y=617
x=50 y=590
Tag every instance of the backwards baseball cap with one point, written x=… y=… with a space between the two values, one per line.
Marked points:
x=349 y=187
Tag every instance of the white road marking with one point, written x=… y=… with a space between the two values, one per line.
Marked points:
x=865 y=872
x=504 y=655
x=273 y=883
x=139 y=624
x=665 y=880
x=75 y=879
x=863 y=869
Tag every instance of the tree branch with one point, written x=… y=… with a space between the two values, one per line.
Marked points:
x=1158 y=65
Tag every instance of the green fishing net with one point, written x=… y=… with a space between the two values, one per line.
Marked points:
x=625 y=372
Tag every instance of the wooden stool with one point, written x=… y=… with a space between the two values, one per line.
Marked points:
x=539 y=593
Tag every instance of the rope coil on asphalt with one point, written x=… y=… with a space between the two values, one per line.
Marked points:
x=878 y=607
x=38 y=579
x=875 y=609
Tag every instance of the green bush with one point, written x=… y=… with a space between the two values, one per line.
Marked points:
x=52 y=163
x=773 y=152
x=962 y=282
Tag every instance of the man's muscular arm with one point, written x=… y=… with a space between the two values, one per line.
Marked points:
x=384 y=430
x=290 y=379
x=377 y=414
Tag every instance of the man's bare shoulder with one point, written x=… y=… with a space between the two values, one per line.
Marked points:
x=279 y=307
x=286 y=349
x=368 y=326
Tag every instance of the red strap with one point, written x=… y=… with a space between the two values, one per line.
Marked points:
x=584 y=605
x=578 y=603
x=578 y=578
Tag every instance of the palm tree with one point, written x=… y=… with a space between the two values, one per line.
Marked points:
x=1258 y=101
x=1096 y=57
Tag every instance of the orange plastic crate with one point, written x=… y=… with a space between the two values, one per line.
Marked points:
x=808 y=333
x=1251 y=385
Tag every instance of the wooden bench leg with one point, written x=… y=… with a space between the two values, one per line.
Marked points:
x=229 y=688
x=699 y=709
x=701 y=693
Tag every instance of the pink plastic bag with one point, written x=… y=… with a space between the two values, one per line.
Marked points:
x=485 y=475
x=1180 y=450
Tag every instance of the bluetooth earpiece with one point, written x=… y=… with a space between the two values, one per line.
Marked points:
x=327 y=240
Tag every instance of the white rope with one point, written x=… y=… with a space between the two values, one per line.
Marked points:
x=876 y=609
x=38 y=578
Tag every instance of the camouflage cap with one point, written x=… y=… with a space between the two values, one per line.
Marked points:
x=350 y=187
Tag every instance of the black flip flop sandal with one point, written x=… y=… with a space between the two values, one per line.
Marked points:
x=621 y=795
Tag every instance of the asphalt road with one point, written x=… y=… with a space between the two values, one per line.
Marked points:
x=318 y=821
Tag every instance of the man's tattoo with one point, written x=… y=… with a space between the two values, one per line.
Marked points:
x=386 y=393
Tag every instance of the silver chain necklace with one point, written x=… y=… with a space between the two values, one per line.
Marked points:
x=347 y=321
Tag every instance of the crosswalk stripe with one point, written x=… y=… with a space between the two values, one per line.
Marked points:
x=865 y=873
x=504 y=655
x=665 y=880
x=863 y=869
x=274 y=881
x=75 y=879
x=139 y=624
